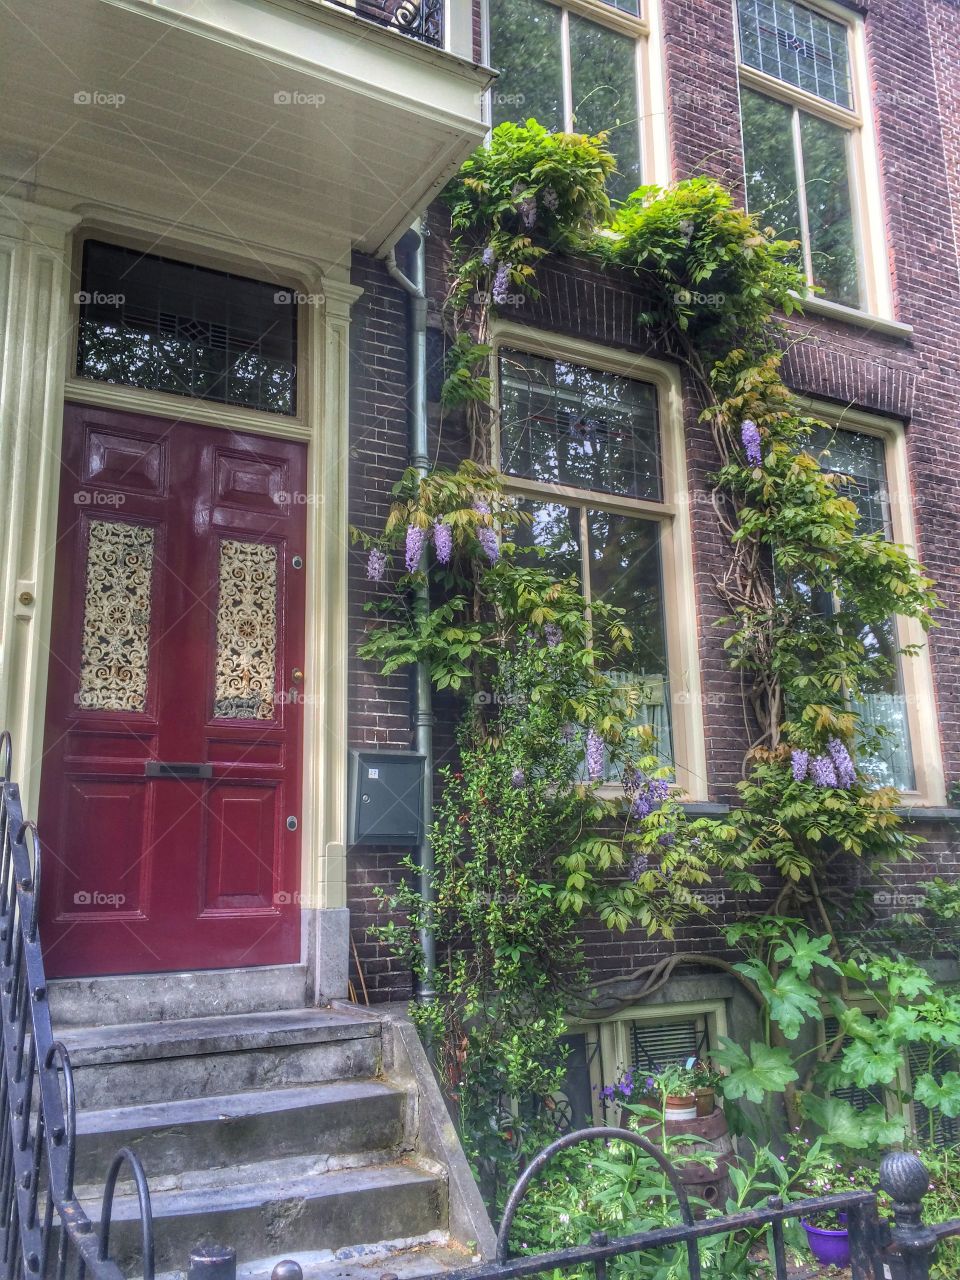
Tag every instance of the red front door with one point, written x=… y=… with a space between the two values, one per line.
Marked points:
x=170 y=790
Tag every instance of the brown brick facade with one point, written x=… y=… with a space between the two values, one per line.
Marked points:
x=914 y=60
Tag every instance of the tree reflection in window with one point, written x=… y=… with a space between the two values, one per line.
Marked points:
x=169 y=326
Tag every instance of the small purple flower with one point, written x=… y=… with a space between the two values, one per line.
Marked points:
x=822 y=771
x=518 y=779
x=638 y=865
x=667 y=840
x=487 y=538
x=550 y=199
x=799 y=763
x=376 y=564
x=842 y=763
x=528 y=211
x=552 y=634
x=595 y=754
x=501 y=283
x=750 y=435
x=489 y=257
x=443 y=541
x=416 y=538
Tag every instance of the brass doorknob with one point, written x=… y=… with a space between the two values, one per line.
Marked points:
x=296 y=675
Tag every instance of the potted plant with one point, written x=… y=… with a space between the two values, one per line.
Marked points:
x=677 y=1086
x=706 y=1083
x=828 y=1237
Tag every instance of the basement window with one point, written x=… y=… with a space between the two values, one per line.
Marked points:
x=168 y=326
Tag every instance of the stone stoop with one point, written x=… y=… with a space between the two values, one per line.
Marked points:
x=304 y=1133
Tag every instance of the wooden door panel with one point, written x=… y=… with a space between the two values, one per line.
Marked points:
x=101 y=835
x=178 y=646
x=241 y=833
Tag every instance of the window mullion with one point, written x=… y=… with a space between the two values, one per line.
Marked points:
x=567 y=70
x=802 y=196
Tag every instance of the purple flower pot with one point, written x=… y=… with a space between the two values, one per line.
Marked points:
x=831 y=1247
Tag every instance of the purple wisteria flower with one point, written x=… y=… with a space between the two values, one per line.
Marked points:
x=750 y=435
x=518 y=779
x=595 y=754
x=501 y=283
x=647 y=793
x=552 y=634
x=822 y=771
x=638 y=865
x=842 y=763
x=443 y=542
x=489 y=257
x=528 y=211
x=550 y=199
x=799 y=763
x=416 y=538
x=376 y=564
x=487 y=538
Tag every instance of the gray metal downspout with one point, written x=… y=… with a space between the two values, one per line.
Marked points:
x=424 y=719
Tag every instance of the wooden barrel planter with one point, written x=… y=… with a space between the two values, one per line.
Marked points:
x=709 y=1134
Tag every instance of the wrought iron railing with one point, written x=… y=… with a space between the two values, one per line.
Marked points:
x=880 y=1250
x=421 y=19
x=44 y=1229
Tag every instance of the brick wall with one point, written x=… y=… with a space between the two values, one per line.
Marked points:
x=914 y=61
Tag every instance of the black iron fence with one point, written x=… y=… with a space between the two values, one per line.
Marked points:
x=44 y=1230
x=421 y=19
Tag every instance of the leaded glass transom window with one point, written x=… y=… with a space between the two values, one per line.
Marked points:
x=246 y=631
x=149 y=322
x=562 y=423
x=115 y=646
x=797 y=45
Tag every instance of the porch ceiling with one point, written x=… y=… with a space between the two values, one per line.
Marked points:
x=286 y=105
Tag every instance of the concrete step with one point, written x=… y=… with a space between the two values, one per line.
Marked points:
x=406 y=1259
x=277 y=1212
x=135 y=1063
x=158 y=997
x=325 y=1122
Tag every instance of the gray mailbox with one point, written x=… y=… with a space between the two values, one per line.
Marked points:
x=386 y=797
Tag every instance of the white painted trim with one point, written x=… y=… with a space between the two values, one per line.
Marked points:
x=681 y=617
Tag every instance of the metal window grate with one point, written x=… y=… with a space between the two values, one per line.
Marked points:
x=147 y=321
x=654 y=1045
x=798 y=46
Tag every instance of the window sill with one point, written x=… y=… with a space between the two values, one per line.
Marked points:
x=917 y=811
x=861 y=319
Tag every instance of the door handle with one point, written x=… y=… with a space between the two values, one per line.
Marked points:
x=296 y=675
x=176 y=769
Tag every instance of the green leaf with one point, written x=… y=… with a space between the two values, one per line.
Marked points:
x=765 y=1070
x=942 y=1095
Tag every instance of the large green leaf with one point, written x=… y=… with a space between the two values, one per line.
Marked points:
x=944 y=1095
x=864 y=1064
x=763 y=1071
x=803 y=952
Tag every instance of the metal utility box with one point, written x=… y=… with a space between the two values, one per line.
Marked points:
x=386 y=797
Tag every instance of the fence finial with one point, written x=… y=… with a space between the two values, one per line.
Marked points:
x=904 y=1177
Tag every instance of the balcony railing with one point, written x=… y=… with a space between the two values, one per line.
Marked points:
x=420 y=19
